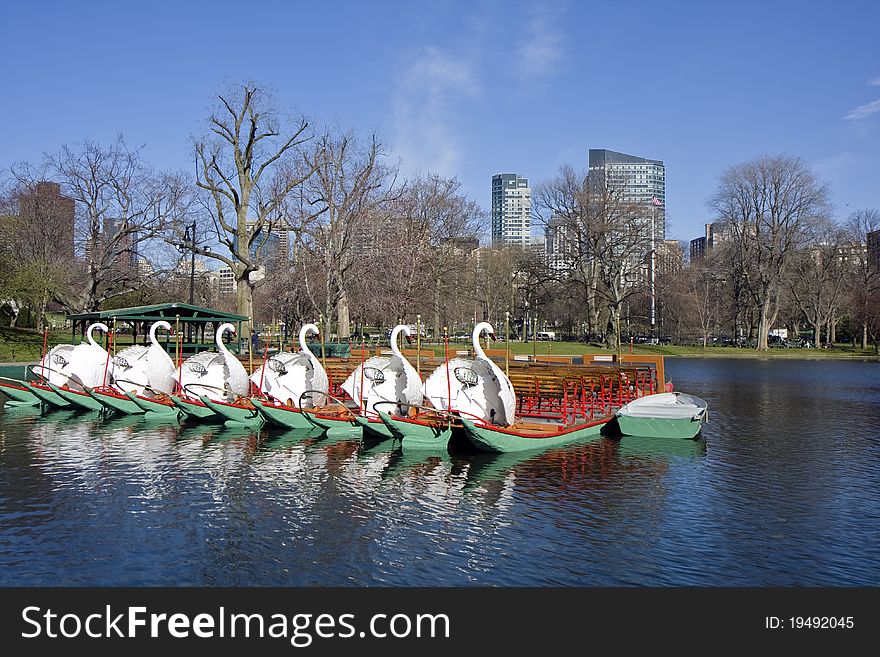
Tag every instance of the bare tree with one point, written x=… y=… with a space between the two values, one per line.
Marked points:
x=767 y=205
x=349 y=187
x=817 y=277
x=866 y=274
x=249 y=165
x=562 y=205
x=120 y=206
x=36 y=246
x=433 y=230
x=605 y=239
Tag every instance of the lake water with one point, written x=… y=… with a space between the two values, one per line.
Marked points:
x=782 y=489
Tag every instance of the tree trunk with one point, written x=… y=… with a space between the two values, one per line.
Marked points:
x=436 y=310
x=612 y=337
x=244 y=304
x=342 y=318
x=865 y=335
x=763 y=325
x=817 y=334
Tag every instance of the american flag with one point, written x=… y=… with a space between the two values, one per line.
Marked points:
x=655 y=201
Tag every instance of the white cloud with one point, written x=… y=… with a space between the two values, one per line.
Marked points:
x=836 y=165
x=424 y=105
x=874 y=83
x=543 y=44
x=863 y=111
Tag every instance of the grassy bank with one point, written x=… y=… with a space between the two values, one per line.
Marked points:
x=18 y=345
x=845 y=352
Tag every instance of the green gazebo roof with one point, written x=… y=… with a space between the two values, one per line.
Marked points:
x=166 y=311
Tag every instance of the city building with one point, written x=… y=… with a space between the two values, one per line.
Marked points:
x=511 y=210
x=269 y=247
x=670 y=257
x=700 y=246
x=639 y=180
x=873 y=240
x=45 y=203
x=226 y=281
x=560 y=247
x=145 y=267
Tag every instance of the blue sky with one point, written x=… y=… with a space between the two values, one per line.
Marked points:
x=469 y=89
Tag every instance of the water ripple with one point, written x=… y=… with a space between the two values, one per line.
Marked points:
x=781 y=490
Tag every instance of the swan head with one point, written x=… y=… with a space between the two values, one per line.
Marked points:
x=397 y=330
x=157 y=325
x=304 y=331
x=483 y=327
x=221 y=331
x=97 y=325
x=479 y=329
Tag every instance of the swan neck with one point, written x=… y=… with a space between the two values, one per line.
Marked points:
x=394 y=335
x=478 y=350
x=219 y=338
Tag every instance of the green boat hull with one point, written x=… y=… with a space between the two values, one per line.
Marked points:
x=415 y=435
x=49 y=398
x=654 y=427
x=497 y=440
x=283 y=417
x=238 y=414
x=19 y=394
x=376 y=430
x=151 y=406
x=80 y=399
x=334 y=428
x=123 y=406
x=194 y=410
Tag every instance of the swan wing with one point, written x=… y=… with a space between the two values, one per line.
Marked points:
x=235 y=376
x=357 y=385
x=294 y=382
x=87 y=363
x=202 y=374
x=54 y=362
x=438 y=388
x=319 y=381
x=499 y=394
x=160 y=370
x=412 y=389
x=128 y=369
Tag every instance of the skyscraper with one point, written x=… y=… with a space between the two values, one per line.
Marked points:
x=511 y=210
x=639 y=180
x=44 y=204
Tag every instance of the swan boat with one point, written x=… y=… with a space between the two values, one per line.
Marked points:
x=67 y=370
x=139 y=376
x=663 y=415
x=287 y=378
x=462 y=387
x=18 y=391
x=217 y=377
x=387 y=380
x=522 y=436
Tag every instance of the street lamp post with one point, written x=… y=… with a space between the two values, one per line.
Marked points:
x=189 y=237
x=654 y=203
x=653 y=272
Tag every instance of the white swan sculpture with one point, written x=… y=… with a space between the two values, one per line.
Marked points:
x=218 y=375
x=75 y=365
x=386 y=378
x=286 y=376
x=476 y=387
x=144 y=370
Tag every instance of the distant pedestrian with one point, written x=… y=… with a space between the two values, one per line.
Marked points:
x=255 y=341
